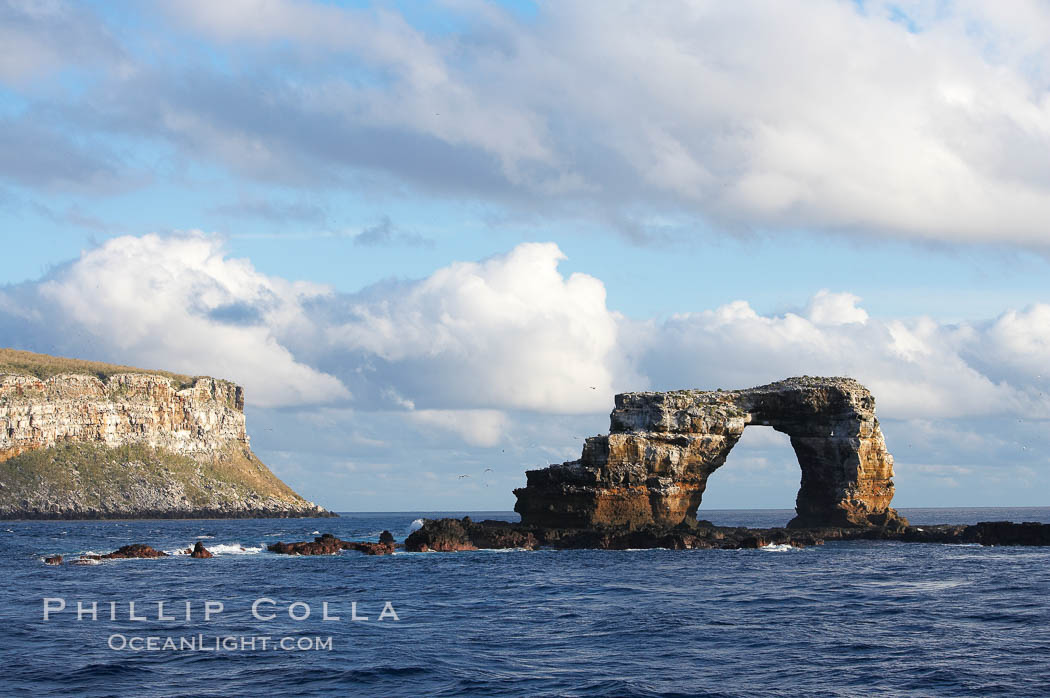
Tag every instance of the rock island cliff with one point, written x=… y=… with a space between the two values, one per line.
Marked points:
x=652 y=468
x=90 y=440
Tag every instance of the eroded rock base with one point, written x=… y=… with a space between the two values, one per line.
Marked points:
x=450 y=535
x=327 y=544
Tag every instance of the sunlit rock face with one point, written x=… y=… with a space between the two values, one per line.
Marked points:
x=134 y=445
x=127 y=408
x=652 y=467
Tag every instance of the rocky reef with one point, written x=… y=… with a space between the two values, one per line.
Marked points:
x=652 y=468
x=453 y=535
x=128 y=445
x=327 y=544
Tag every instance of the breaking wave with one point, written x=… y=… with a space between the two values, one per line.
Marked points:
x=234 y=549
x=221 y=549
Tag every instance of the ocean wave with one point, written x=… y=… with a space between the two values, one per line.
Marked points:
x=636 y=550
x=505 y=550
x=779 y=548
x=221 y=549
x=234 y=549
x=415 y=525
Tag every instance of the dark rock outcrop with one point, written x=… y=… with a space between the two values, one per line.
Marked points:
x=200 y=552
x=133 y=551
x=984 y=533
x=327 y=544
x=53 y=560
x=451 y=535
x=652 y=468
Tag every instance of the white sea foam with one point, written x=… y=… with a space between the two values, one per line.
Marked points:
x=781 y=548
x=221 y=549
x=505 y=550
x=315 y=533
x=415 y=525
x=629 y=550
x=234 y=549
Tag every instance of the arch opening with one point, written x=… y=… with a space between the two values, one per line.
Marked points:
x=758 y=483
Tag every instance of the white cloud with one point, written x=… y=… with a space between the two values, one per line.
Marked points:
x=476 y=427
x=929 y=124
x=916 y=368
x=180 y=304
x=474 y=340
x=39 y=37
x=509 y=332
x=826 y=308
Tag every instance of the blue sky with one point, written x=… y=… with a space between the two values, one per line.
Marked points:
x=418 y=233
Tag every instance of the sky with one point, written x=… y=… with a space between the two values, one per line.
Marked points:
x=436 y=239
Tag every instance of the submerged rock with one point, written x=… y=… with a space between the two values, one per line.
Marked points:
x=652 y=468
x=327 y=544
x=450 y=535
x=133 y=551
x=53 y=560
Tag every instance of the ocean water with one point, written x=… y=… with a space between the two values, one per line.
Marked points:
x=843 y=619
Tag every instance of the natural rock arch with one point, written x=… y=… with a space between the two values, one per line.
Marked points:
x=652 y=467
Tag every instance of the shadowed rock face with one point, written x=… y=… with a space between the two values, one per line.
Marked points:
x=652 y=467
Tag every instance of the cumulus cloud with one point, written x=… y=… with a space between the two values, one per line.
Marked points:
x=176 y=303
x=826 y=308
x=508 y=332
x=916 y=367
x=459 y=348
x=475 y=339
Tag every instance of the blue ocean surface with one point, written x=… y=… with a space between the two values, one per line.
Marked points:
x=842 y=619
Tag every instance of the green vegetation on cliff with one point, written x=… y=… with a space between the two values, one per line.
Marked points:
x=128 y=447
x=43 y=366
x=101 y=481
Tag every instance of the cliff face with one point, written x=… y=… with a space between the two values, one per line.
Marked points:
x=652 y=467
x=126 y=409
x=134 y=444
